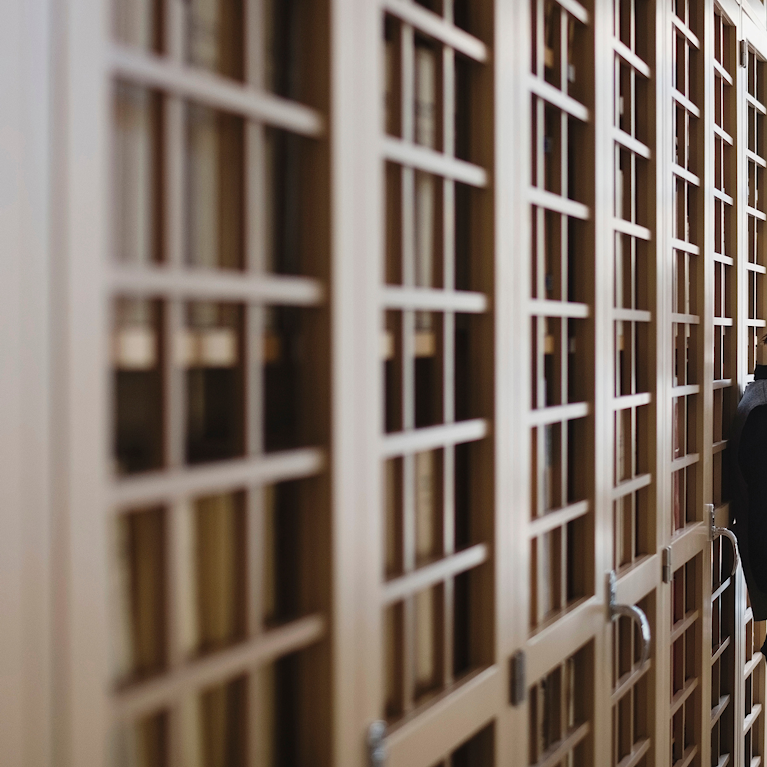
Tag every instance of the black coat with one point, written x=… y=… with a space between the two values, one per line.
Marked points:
x=749 y=448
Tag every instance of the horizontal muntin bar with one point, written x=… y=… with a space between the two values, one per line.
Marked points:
x=758 y=268
x=720 y=194
x=756 y=709
x=678 y=700
x=557 y=98
x=430 y=161
x=543 y=307
x=213 y=90
x=756 y=213
x=632 y=315
x=162 y=691
x=685 y=30
x=685 y=174
x=224 y=476
x=720 y=446
x=557 y=751
x=724 y=644
x=685 y=319
x=720 y=70
x=717 y=594
x=624 y=684
x=679 y=628
x=753 y=664
x=686 y=390
x=457 y=712
x=195 y=284
x=723 y=322
x=575 y=9
x=720 y=707
x=557 y=204
x=633 y=145
x=433 y=437
x=633 y=230
x=433 y=299
x=628 y=401
x=756 y=323
x=545 y=416
x=724 y=135
x=435 y=26
x=558 y=518
x=430 y=575
x=628 y=486
x=722 y=383
x=756 y=158
x=677 y=464
x=687 y=247
x=720 y=258
x=684 y=102
x=756 y=104
x=631 y=58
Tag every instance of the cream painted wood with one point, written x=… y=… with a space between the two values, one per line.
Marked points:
x=25 y=636
x=81 y=217
x=11 y=554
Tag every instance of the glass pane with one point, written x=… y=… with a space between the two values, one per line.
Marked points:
x=214 y=35
x=223 y=711
x=137 y=165
x=428 y=640
x=214 y=188
x=138 y=408
x=285 y=552
x=138 y=22
x=211 y=352
x=286 y=35
x=428 y=525
x=287 y=202
x=138 y=582
x=286 y=383
x=143 y=743
x=428 y=369
x=221 y=570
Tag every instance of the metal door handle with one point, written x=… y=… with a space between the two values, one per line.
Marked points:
x=634 y=613
x=714 y=531
x=376 y=743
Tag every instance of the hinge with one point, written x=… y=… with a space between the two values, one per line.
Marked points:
x=666 y=565
x=612 y=598
x=377 y=744
x=743 y=53
x=518 y=683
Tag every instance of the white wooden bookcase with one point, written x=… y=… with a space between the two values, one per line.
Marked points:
x=430 y=315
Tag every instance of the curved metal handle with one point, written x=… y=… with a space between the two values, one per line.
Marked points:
x=716 y=531
x=634 y=613
x=638 y=615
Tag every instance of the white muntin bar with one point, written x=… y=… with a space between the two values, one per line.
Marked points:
x=225 y=476
x=214 y=91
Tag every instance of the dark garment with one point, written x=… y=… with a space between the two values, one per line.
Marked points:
x=748 y=457
x=752 y=457
x=750 y=441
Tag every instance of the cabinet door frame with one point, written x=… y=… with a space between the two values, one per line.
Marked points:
x=26 y=54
